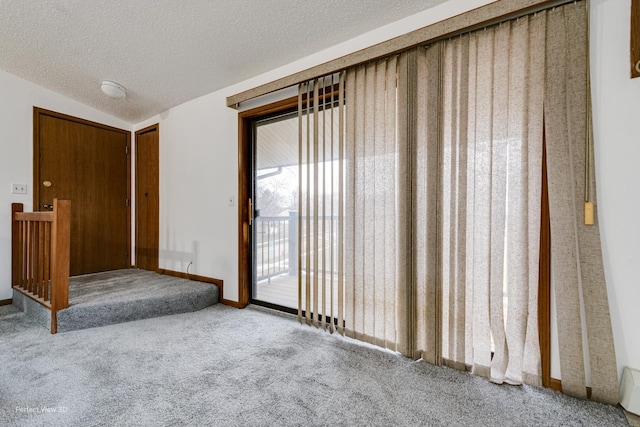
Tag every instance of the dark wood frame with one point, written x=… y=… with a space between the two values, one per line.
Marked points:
x=151 y=128
x=37 y=112
x=635 y=38
x=544 y=280
x=245 y=155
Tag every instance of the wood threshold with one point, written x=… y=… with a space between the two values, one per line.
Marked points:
x=6 y=302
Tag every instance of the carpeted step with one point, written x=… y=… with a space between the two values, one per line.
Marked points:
x=124 y=295
x=119 y=296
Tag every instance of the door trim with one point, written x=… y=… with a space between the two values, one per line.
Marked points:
x=245 y=275
x=156 y=128
x=37 y=114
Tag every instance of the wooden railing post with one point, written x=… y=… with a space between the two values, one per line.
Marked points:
x=60 y=242
x=40 y=253
x=16 y=243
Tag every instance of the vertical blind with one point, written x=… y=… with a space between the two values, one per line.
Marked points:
x=420 y=202
x=373 y=163
x=349 y=167
x=491 y=112
x=578 y=272
x=321 y=202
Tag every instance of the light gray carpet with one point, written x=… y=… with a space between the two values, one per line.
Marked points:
x=118 y=296
x=229 y=367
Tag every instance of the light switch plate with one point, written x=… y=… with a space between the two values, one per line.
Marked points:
x=230 y=201
x=19 y=188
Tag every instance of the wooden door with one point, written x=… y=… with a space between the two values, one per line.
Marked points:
x=87 y=163
x=147 y=198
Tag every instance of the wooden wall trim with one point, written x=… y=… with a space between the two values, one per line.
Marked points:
x=218 y=282
x=544 y=277
x=6 y=301
x=148 y=129
x=78 y=120
x=635 y=38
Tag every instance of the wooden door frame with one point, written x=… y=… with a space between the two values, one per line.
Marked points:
x=147 y=129
x=245 y=118
x=39 y=112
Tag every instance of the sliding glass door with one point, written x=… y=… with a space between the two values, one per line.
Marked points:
x=275 y=204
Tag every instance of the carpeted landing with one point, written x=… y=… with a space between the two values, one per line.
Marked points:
x=119 y=296
x=221 y=366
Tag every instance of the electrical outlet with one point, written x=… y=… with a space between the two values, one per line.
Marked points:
x=230 y=201
x=19 y=188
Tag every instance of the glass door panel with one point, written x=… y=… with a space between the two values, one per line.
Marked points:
x=275 y=199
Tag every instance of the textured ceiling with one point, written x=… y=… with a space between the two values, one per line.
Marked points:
x=169 y=52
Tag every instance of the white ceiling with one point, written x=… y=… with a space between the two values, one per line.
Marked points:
x=169 y=52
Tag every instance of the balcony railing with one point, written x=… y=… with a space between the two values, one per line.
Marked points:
x=276 y=248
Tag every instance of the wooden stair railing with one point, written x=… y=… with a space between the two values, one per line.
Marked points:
x=40 y=247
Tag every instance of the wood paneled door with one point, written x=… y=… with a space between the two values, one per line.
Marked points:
x=89 y=164
x=147 y=198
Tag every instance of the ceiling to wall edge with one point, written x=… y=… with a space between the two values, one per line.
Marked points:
x=483 y=16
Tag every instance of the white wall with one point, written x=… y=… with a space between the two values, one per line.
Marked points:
x=198 y=174
x=616 y=115
x=17 y=99
x=199 y=165
x=199 y=162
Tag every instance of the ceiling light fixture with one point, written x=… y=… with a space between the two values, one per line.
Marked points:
x=113 y=89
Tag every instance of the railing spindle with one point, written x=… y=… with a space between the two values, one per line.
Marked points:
x=47 y=263
x=40 y=248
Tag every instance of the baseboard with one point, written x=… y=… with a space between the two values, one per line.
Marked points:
x=556 y=384
x=231 y=303
x=195 y=277
x=6 y=301
x=218 y=282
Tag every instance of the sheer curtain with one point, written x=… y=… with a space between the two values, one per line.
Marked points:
x=491 y=162
x=420 y=202
x=578 y=272
x=321 y=199
x=373 y=279
x=350 y=170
